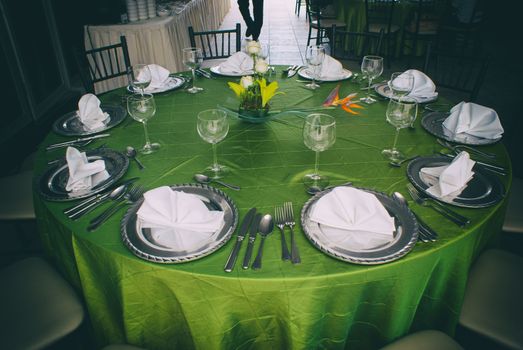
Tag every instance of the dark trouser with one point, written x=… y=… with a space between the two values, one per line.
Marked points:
x=256 y=24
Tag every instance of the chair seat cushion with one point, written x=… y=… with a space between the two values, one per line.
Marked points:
x=17 y=197
x=328 y=23
x=493 y=304
x=377 y=27
x=514 y=216
x=426 y=340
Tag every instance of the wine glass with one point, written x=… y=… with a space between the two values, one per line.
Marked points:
x=371 y=67
x=400 y=114
x=319 y=134
x=193 y=58
x=314 y=56
x=140 y=77
x=212 y=127
x=401 y=84
x=142 y=107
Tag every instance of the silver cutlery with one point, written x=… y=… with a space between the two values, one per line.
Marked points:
x=266 y=226
x=373 y=85
x=459 y=148
x=292 y=72
x=130 y=152
x=203 y=73
x=426 y=233
x=81 y=141
x=133 y=195
x=437 y=206
x=289 y=221
x=204 y=179
x=229 y=265
x=279 y=216
x=250 y=243
x=398 y=163
x=494 y=168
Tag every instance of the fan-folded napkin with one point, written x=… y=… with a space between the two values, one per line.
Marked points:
x=159 y=77
x=90 y=113
x=451 y=179
x=83 y=175
x=178 y=220
x=424 y=88
x=474 y=119
x=353 y=219
x=330 y=69
x=238 y=63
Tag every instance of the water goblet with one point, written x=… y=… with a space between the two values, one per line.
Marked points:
x=139 y=76
x=401 y=84
x=400 y=114
x=212 y=127
x=314 y=55
x=319 y=134
x=371 y=67
x=142 y=107
x=193 y=58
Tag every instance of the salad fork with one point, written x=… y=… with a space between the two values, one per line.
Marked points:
x=280 y=222
x=289 y=221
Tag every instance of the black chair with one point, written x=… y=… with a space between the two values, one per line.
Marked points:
x=322 y=24
x=421 y=26
x=456 y=72
x=378 y=18
x=103 y=63
x=353 y=46
x=216 y=44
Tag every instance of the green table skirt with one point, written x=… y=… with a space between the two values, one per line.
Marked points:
x=321 y=303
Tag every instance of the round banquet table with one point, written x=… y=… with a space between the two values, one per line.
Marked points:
x=320 y=303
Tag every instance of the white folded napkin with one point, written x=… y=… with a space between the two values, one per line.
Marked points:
x=424 y=87
x=178 y=220
x=451 y=179
x=330 y=69
x=159 y=77
x=474 y=119
x=238 y=63
x=90 y=113
x=83 y=175
x=353 y=219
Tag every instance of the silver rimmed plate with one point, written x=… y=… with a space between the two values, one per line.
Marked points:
x=405 y=235
x=483 y=190
x=52 y=183
x=385 y=91
x=70 y=125
x=172 y=83
x=141 y=242
x=433 y=123
x=306 y=74
x=216 y=70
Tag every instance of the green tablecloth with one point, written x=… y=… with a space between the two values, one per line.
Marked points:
x=321 y=303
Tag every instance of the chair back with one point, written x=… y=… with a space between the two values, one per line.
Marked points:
x=217 y=44
x=103 y=63
x=425 y=19
x=353 y=46
x=379 y=12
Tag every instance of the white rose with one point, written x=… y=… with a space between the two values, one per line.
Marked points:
x=253 y=47
x=261 y=66
x=246 y=81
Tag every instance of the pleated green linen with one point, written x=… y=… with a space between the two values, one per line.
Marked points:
x=320 y=303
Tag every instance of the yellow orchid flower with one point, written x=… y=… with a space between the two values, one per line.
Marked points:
x=267 y=91
x=237 y=88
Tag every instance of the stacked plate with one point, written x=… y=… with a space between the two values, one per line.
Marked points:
x=132 y=10
x=151 y=8
x=142 y=9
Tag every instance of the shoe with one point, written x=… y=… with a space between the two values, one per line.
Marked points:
x=248 y=32
x=256 y=34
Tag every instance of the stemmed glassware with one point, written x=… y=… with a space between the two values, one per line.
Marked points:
x=319 y=134
x=142 y=107
x=139 y=77
x=371 y=67
x=400 y=114
x=193 y=58
x=212 y=127
x=401 y=84
x=314 y=55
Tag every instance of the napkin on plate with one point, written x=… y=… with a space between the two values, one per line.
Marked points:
x=330 y=69
x=353 y=219
x=178 y=220
x=90 y=113
x=424 y=88
x=159 y=77
x=83 y=175
x=474 y=119
x=238 y=63
x=451 y=179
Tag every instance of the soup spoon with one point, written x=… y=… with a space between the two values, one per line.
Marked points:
x=204 y=179
x=265 y=228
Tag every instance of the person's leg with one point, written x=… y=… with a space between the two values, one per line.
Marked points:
x=243 y=5
x=258 y=18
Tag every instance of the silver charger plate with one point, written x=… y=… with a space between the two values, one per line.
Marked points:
x=483 y=190
x=172 y=83
x=216 y=70
x=385 y=91
x=433 y=123
x=51 y=185
x=405 y=235
x=70 y=125
x=306 y=74
x=142 y=244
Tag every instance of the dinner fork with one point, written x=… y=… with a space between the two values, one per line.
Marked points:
x=289 y=221
x=458 y=148
x=440 y=208
x=280 y=222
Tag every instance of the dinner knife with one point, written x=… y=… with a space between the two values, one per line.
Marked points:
x=69 y=143
x=252 y=237
x=241 y=235
x=494 y=168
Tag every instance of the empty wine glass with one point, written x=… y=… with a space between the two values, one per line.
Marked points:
x=142 y=108
x=193 y=58
x=401 y=84
x=371 y=67
x=400 y=114
x=319 y=134
x=139 y=76
x=314 y=55
x=212 y=127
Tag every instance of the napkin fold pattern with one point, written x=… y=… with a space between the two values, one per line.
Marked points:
x=159 y=77
x=451 y=179
x=424 y=88
x=474 y=119
x=178 y=220
x=238 y=63
x=83 y=175
x=353 y=219
x=90 y=113
x=331 y=68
